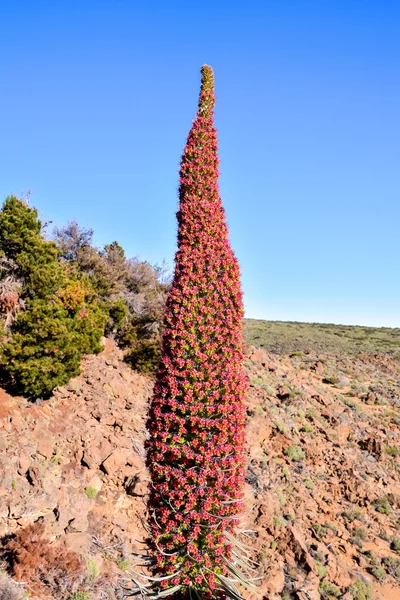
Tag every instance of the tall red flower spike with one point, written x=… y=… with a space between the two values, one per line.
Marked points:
x=195 y=451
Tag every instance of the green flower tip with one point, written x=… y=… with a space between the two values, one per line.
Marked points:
x=206 y=99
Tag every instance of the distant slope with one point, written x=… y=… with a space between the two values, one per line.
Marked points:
x=286 y=337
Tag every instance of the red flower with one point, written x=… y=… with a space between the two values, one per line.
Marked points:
x=195 y=451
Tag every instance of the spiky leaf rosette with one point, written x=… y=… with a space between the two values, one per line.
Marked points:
x=195 y=452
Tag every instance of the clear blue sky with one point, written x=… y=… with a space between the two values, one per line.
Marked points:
x=98 y=96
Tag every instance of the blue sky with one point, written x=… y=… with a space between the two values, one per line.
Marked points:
x=98 y=97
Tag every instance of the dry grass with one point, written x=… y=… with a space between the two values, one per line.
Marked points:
x=287 y=337
x=46 y=568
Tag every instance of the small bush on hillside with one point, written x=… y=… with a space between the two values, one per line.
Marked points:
x=378 y=572
x=331 y=379
x=47 y=568
x=319 y=530
x=358 y=536
x=42 y=352
x=281 y=427
x=382 y=505
x=352 y=514
x=327 y=589
x=306 y=427
x=144 y=355
x=123 y=564
x=132 y=293
x=91 y=492
x=58 y=317
x=321 y=569
x=392 y=566
x=295 y=453
x=395 y=544
x=80 y=596
x=93 y=569
x=360 y=590
x=392 y=451
x=58 y=298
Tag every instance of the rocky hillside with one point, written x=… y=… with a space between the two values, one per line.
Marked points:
x=323 y=483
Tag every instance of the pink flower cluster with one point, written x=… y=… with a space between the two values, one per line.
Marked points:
x=195 y=452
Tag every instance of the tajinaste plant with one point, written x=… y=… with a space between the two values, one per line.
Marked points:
x=196 y=423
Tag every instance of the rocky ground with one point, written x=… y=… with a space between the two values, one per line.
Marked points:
x=323 y=482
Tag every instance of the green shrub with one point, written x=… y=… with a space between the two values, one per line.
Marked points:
x=144 y=356
x=360 y=590
x=382 y=505
x=91 y=492
x=43 y=350
x=321 y=569
x=392 y=566
x=80 y=596
x=279 y=521
x=352 y=514
x=392 y=451
x=378 y=572
x=306 y=427
x=280 y=496
x=93 y=569
x=21 y=241
x=327 y=589
x=309 y=484
x=123 y=564
x=350 y=403
x=395 y=543
x=117 y=311
x=61 y=318
x=279 y=425
x=358 y=536
x=131 y=293
x=331 y=379
x=295 y=453
x=319 y=530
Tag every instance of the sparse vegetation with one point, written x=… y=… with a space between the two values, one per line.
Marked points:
x=91 y=492
x=280 y=426
x=32 y=558
x=360 y=590
x=295 y=453
x=319 y=530
x=392 y=451
x=321 y=569
x=378 y=572
x=395 y=543
x=351 y=514
x=383 y=505
x=286 y=338
x=93 y=569
x=331 y=379
x=279 y=521
x=392 y=566
x=80 y=596
x=123 y=564
x=306 y=427
x=328 y=589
